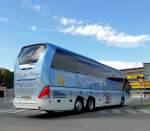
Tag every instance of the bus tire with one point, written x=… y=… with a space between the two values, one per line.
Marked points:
x=90 y=106
x=122 y=101
x=78 y=107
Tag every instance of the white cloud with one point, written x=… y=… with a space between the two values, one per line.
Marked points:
x=33 y=28
x=41 y=9
x=69 y=21
x=5 y=20
x=103 y=33
x=66 y=21
x=122 y=64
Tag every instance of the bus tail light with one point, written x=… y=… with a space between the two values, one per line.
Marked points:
x=45 y=93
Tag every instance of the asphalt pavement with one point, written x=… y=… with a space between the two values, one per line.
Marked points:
x=112 y=118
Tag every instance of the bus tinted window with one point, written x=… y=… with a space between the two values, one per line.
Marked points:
x=68 y=62
x=30 y=54
x=64 y=62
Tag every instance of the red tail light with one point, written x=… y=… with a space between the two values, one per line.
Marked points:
x=45 y=93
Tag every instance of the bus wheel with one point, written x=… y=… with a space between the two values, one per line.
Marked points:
x=90 y=105
x=78 y=106
x=122 y=101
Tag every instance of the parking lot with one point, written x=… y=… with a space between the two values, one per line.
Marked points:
x=113 y=118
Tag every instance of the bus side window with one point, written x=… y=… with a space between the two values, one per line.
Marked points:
x=73 y=63
x=65 y=62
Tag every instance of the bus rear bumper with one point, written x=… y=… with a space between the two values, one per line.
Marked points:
x=26 y=105
x=35 y=105
x=42 y=104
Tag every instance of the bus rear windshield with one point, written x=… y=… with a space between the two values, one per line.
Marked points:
x=30 y=54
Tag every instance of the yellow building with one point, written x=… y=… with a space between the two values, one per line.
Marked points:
x=132 y=75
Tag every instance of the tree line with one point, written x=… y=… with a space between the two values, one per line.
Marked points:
x=6 y=78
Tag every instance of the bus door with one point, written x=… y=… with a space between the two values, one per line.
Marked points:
x=126 y=86
x=115 y=85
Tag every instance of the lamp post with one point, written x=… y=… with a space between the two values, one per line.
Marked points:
x=140 y=79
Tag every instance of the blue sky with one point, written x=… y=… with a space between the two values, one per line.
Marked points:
x=114 y=32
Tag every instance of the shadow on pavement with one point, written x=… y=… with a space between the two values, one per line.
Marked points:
x=73 y=115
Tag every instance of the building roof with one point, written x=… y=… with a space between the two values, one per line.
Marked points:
x=133 y=68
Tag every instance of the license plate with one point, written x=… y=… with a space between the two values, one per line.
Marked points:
x=26 y=97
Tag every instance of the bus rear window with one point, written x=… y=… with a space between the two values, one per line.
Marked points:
x=30 y=54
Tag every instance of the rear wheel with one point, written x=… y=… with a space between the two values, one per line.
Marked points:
x=90 y=105
x=78 y=106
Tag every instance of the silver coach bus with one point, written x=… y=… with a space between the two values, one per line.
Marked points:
x=51 y=78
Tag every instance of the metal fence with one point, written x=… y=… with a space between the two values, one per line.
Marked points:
x=140 y=97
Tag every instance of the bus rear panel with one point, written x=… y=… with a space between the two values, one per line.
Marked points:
x=29 y=77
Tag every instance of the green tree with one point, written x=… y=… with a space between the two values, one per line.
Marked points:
x=6 y=78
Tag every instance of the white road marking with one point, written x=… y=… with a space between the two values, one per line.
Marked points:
x=17 y=111
x=3 y=111
x=131 y=111
x=144 y=111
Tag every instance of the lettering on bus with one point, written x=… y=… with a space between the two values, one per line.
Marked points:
x=59 y=94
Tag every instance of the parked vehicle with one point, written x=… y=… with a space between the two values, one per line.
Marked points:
x=51 y=78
